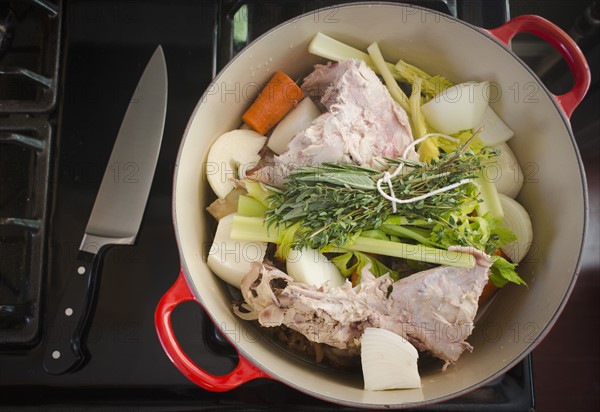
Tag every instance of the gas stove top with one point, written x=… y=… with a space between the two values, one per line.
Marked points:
x=55 y=140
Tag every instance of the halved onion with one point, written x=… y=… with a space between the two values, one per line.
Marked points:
x=493 y=130
x=232 y=150
x=505 y=172
x=516 y=219
x=457 y=108
x=313 y=268
x=297 y=119
x=388 y=361
x=232 y=259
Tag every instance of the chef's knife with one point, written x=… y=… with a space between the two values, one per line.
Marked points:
x=116 y=215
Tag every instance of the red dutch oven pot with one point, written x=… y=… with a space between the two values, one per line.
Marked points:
x=554 y=193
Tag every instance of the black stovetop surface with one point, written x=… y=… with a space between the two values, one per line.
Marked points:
x=106 y=45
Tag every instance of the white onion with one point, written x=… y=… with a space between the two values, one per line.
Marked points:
x=388 y=361
x=297 y=119
x=505 y=172
x=493 y=130
x=312 y=268
x=232 y=150
x=516 y=219
x=457 y=108
x=232 y=259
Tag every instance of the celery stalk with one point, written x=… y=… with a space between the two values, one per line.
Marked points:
x=397 y=94
x=403 y=221
x=428 y=149
x=490 y=201
x=374 y=234
x=254 y=229
x=258 y=192
x=249 y=206
x=324 y=46
x=285 y=241
x=419 y=126
x=413 y=252
x=415 y=233
x=432 y=85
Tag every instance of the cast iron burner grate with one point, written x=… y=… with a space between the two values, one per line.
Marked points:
x=24 y=168
x=29 y=50
x=29 y=55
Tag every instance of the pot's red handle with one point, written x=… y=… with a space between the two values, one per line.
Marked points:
x=243 y=372
x=561 y=41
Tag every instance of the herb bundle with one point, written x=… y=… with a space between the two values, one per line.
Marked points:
x=333 y=203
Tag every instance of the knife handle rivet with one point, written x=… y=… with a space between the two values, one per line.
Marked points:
x=81 y=270
x=68 y=311
x=56 y=354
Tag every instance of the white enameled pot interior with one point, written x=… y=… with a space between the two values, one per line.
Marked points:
x=553 y=193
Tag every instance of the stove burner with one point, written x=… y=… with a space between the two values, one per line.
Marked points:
x=29 y=55
x=7 y=27
x=24 y=169
x=29 y=51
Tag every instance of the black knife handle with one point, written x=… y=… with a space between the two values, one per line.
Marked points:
x=64 y=348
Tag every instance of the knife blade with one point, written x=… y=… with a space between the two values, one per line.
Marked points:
x=116 y=215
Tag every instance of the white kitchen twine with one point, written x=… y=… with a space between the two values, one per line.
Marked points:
x=387 y=177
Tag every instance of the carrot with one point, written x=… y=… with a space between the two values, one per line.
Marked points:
x=355 y=278
x=489 y=290
x=277 y=98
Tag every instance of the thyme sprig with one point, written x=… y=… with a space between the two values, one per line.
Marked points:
x=335 y=202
